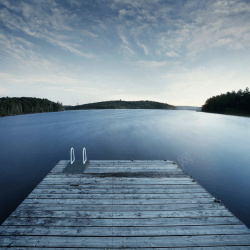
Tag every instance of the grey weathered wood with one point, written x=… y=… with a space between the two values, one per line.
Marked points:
x=125 y=231
x=122 y=204
x=146 y=248
x=132 y=163
x=128 y=164
x=171 y=173
x=122 y=182
x=127 y=168
x=102 y=174
x=117 y=181
x=118 y=187
x=127 y=222
x=133 y=214
x=116 y=191
x=120 y=196
x=142 y=162
x=114 y=207
x=131 y=242
x=118 y=201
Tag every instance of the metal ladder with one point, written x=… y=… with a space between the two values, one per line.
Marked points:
x=72 y=155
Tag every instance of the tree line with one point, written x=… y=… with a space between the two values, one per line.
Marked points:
x=122 y=105
x=235 y=103
x=27 y=105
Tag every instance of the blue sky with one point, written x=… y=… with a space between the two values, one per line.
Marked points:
x=81 y=51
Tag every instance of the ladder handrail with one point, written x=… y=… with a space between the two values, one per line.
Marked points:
x=84 y=155
x=72 y=156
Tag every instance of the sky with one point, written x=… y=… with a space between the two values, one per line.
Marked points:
x=179 y=52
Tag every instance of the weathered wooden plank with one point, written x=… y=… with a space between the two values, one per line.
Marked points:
x=117 y=186
x=56 y=171
x=118 y=201
x=203 y=248
x=103 y=163
x=131 y=161
x=152 y=168
x=146 y=248
x=138 y=168
x=135 y=166
x=116 y=191
x=63 y=162
x=150 y=171
x=143 y=170
x=118 y=181
x=113 y=215
x=104 y=182
x=125 y=231
x=123 y=207
x=120 y=196
x=121 y=242
x=132 y=165
x=124 y=174
x=83 y=177
x=129 y=164
x=132 y=222
x=91 y=163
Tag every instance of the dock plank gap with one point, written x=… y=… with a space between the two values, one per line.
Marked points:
x=122 y=204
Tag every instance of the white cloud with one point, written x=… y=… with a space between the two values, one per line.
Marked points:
x=123 y=13
x=125 y=47
x=152 y=64
x=88 y=33
x=68 y=47
x=124 y=39
x=172 y=54
x=144 y=47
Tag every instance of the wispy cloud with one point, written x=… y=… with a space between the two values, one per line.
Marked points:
x=37 y=23
x=123 y=38
x=152 y=64
x=144 y=47
x=125 y=46
x=16 y=47
x=172 y=54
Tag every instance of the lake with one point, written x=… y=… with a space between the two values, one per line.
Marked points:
x=214 y=149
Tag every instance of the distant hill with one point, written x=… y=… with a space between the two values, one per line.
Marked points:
x=122 y=105
x=27 y=105
x=192 y=108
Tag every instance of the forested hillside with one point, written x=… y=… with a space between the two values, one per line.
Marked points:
x=27 y=105
x=236 y=103
x=122 y=105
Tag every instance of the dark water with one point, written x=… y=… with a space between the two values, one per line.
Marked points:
x=214 y=149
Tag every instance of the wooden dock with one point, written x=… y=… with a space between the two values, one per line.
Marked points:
x=122 y=204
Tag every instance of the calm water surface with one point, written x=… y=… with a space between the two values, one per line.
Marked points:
x=214 y=149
